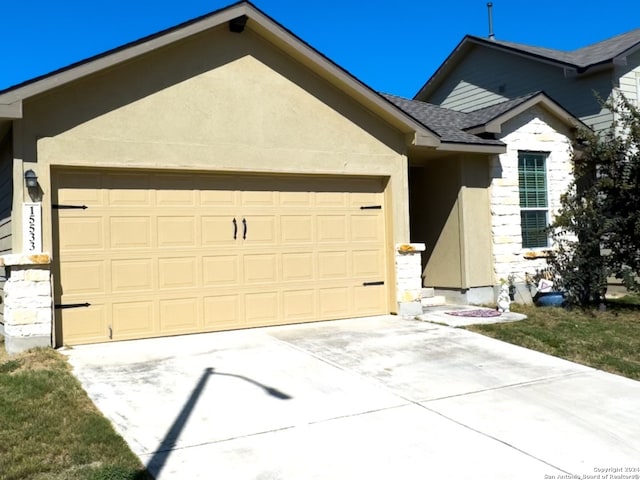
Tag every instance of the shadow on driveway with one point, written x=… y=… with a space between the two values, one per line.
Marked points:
x=159 y=458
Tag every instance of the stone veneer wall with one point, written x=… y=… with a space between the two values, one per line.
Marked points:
x=28 y=302
x=409 y=278
x=537 y=131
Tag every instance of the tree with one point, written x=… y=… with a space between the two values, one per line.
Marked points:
x=597 y=230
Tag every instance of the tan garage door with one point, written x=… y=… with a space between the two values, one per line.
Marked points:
x=153 y=254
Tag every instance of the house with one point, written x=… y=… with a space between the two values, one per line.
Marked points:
x=220 y=174
x=481 y=72
x=223 y=174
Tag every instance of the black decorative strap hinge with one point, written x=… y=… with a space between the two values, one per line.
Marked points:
x=371 y=207
x=55 y=206
x=64 y=306
x=371 y=284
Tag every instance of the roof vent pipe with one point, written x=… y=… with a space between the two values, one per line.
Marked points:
x=490 y=8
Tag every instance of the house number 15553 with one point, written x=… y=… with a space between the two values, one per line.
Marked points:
x=32 y=227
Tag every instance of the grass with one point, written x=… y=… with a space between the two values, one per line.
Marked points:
x=50 y=429
x=608 y=340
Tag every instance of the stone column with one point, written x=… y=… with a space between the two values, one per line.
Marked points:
x=28 y=305
x=409 y=278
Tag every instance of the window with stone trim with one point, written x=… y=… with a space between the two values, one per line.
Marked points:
x=534 y=198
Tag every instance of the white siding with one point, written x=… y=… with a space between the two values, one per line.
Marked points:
x=629 y=75
x=487 y=77
x=534 y=130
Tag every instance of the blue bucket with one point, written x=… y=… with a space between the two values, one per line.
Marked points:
x=549 y=299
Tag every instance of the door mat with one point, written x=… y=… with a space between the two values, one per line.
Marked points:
x=479 y=313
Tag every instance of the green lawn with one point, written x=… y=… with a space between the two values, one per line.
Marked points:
x=49 y=429
x=607 y=340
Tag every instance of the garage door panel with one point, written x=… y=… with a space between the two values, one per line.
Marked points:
x=369 y=299
x=177 y=273
x=128 y=190
x=83 y=277
x=132 y=319
x=368 y=264
x=296 y=199
x=176 y=232
x=220 y=230
x=222 y=311
x=85 y=325
x=130 y=232
x=365 y=199
x=81 y=233
x=217 y=193
x=262 y=308
x=333 y=265
x=299 y=305
x=334 y=302
x=332 y=229
x=80 y=188
x=366 y=228
x=155 y=253
x=296 y=229
x=258 y=230
x=175 y=190
x=260 y=268
x=132 y=275
x=259 y=198
x=221 y=271
x=298 y=266
x=332 y=199
x=179 y=315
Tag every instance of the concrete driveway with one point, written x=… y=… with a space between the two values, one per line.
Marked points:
x=372 y=398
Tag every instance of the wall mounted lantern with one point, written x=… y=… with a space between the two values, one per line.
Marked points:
x=30 y=179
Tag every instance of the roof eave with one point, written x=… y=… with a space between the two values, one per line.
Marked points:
x=11 y=111
x=459 y=147
x=473 y=148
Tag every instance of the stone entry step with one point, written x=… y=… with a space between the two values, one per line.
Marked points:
x=433 y=301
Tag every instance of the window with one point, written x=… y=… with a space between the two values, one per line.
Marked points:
x=532 y=177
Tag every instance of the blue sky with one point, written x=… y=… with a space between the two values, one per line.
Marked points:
x=393 y=46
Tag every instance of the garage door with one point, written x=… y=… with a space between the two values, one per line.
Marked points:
x=152 y=254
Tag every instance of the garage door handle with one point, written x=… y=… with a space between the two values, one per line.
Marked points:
x=235 y=229
x=244 y=224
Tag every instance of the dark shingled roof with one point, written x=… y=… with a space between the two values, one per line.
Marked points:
x=485 y=115
x=450 y=125
x=581 y=58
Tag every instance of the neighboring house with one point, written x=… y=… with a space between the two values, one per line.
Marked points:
x=523 y=185
x=482 y=72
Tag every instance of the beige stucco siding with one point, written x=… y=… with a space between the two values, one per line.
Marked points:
x=450 y=214
x=217 y=102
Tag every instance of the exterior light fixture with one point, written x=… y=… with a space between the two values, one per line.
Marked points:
x=30 y=179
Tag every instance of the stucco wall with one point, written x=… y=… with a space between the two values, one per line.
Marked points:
x=218 y=102
x=534 y=130
x=450 y=214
